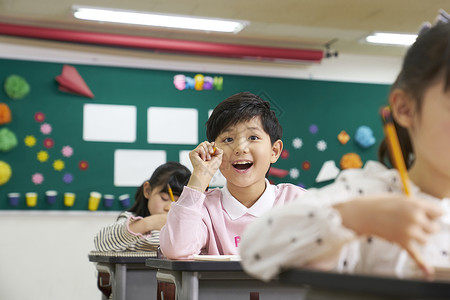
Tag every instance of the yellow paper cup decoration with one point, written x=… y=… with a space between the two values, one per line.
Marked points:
x=94 y=200
x=31 y=199
x=5 y=172
x=351 y=161
x=69 y=199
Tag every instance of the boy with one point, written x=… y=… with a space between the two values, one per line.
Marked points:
x=244 y=139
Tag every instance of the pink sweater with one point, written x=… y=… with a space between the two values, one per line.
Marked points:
x=212 y=222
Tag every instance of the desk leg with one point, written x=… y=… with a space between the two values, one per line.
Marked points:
x=189 y=285
x=120 y=282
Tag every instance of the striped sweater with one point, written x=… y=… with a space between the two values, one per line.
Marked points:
x=118 y=237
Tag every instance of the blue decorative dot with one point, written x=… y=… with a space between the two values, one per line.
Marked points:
x=67 y=178
x=313 y=128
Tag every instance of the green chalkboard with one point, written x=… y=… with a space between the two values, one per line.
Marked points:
x=301 y=105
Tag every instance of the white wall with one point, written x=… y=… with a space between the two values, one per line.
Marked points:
x=43 y=255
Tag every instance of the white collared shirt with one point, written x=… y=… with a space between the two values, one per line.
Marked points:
x=236 y=209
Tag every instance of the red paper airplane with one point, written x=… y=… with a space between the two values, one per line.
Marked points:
x=70 y=81
x=278 y=172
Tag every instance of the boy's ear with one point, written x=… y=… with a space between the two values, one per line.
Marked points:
x=403 y=107
x=147 y=190
x=277 y=147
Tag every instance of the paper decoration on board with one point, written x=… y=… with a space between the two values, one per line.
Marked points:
x=58 y=165
x=313 y=129
x=108 y=200
x=297 y=143
x=321 y=145
x=46 y=128
x=294 y=173
x=5 y=172
x=182 y=128
x=39 y=117
x=69 y=199
x=13 y=199
x=70 y=81
x=16 y=87
x=42 y=156
x=67 y=151
x=280 y=173
x=364 y=137
x=51 y=196
x=8 y=140
x=67 y=178
x=306 y=165
x=284 y=154
x=31 y=199
x=94 y=200
x=37 y=178
x=5 y=114
x=351 y=161
x=132 y=166
x=198 y=83
x=49 y=143
x=30 y=141
x=343 y=137
x=124 y=200
x=328 y=171
x=110 y=123
x=83 y=165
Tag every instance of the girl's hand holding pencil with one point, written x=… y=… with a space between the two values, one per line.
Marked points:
x=206 y=160
x=416 y=219
x=400 y=219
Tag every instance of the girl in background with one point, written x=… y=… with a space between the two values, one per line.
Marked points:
x=363 y=222
x=138 y=228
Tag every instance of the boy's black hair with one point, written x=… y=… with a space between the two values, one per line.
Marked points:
x=243 y=107
x=172 y=173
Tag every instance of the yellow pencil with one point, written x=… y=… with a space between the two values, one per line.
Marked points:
x=394 y=147
x=170 y=193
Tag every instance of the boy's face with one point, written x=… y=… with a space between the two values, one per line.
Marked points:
x=247 y=153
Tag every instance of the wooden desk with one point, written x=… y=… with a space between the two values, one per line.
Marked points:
x=218 y=280
x=323 y=285
x=130 y=278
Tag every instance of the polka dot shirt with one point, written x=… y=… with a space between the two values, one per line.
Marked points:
x=309 y=233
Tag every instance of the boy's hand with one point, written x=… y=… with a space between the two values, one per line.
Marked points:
x=406 y=221
x=206 y=160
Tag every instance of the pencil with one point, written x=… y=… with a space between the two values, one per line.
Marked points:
x=170 y=193
x=394 y=147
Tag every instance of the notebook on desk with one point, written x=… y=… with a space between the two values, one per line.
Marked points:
x=442 y=273
x=124 y=254
x=217 y=257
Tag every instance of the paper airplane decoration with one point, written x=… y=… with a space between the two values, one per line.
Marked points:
x=278 y=172
x=70 y=81
x=328 y=171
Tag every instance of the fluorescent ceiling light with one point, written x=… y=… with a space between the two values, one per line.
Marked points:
x=159 y=20
x=398 y=39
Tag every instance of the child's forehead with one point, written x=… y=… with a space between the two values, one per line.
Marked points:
x=254 y=123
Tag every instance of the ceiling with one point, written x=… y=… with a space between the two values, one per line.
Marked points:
x=275 y=23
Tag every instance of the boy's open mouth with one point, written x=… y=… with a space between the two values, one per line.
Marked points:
x=242 y=165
